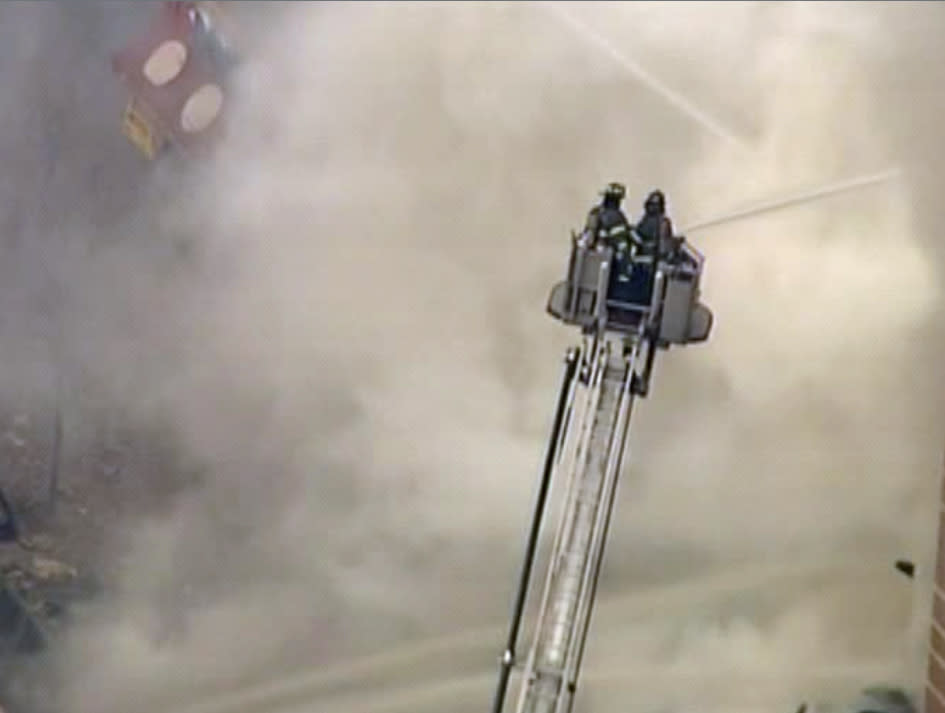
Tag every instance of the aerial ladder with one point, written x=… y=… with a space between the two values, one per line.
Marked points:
x=627 y=311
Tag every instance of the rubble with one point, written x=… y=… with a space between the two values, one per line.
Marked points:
x=37 y=543
x=50 y=570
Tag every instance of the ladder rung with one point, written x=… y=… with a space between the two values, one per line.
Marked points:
x=546 y=673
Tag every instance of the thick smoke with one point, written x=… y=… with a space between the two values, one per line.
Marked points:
x=341 y=322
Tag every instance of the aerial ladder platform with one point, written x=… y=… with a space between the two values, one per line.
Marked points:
x=627 y=310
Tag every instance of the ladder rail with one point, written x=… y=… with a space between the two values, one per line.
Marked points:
x=571 y=360
x=594 y=353
x=574 y=505
x=564 y=616
x=602 y=526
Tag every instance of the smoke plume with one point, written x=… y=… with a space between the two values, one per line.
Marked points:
x=339 y=320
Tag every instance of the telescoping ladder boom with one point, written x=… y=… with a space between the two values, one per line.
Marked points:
x=589 y=450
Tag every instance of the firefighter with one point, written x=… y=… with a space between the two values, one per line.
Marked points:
x=607 y=226
x=606 y=223
x=654 y=231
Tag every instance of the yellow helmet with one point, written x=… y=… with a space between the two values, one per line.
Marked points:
x=615 y=190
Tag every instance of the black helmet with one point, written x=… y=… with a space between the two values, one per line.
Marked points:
x=655 y=202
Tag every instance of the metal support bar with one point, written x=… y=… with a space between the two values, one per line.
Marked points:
x=576 y=267
x=651 y=335
x=508 y=656
x=603 y=284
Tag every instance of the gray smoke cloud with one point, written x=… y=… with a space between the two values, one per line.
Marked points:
x=340 y=322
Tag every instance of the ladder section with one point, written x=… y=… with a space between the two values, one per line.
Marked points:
x=565 y=609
